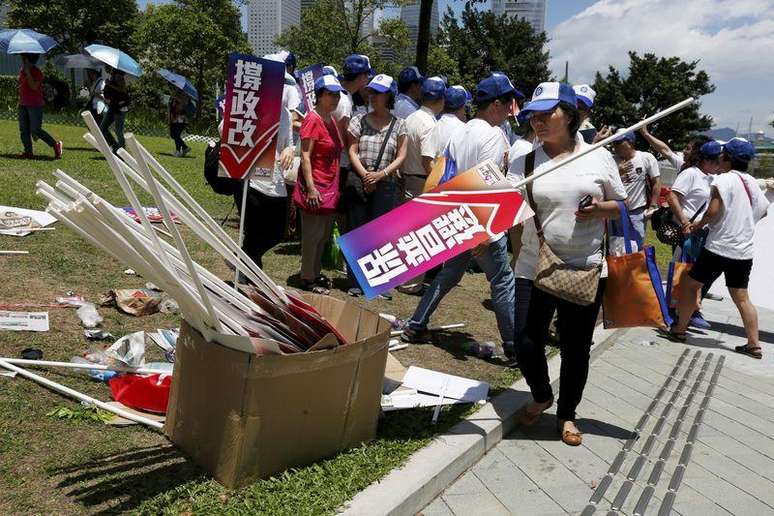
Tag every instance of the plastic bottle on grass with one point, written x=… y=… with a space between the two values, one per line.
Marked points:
x=480 y=349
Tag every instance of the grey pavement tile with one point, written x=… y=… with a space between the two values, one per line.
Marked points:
x=437 y=508
x=612 y=396
x=512 y=487
x=743 y=402
x=744 y=417
x=469 y=496
x=561 y=484
x=744 y=478
x=724 y=494
x=733 y=429
x=740 y=453
x=756 y=394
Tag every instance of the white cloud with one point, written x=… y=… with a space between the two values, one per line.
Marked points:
x=732 y=38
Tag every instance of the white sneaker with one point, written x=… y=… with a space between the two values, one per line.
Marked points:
x=178 y=154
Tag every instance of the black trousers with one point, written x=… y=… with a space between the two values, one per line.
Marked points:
x=265 y=219
x=575 y=324
x=176 y=132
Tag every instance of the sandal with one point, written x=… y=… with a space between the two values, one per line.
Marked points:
x=750 y=351
x=528 y=418
x=315 y=288
x=569 y=437
x=679 y=337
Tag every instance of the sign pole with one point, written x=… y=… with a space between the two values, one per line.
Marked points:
x=245 y=186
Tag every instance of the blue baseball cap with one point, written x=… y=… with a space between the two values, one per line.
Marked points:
x=546 y=97
x=739 y=149
x=410 y=74
x=494 y=86
x=519 y=95
x=327 y=82
x=355 y=64
x=710 y=150
x=585 y=94
x=383 y=83
x=329 y=70
x=626 y=137
x=290 y=60
x=433 y=88
x=456 y=97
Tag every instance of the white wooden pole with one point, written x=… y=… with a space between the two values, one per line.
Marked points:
x=14 y=252
x=58 y=387
x=241 y=241
x=81 y=366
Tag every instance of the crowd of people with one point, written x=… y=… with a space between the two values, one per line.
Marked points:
x=370 y=142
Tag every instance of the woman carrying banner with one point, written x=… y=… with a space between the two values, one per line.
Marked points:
x=317 y=191
x=570 y=205
x=377 y=149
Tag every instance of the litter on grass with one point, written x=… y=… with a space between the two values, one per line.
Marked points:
x=24 y=321
x=22 y=222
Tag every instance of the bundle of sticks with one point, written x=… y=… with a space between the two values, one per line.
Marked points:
x=275 y=319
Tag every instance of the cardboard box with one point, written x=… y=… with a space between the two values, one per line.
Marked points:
x=244 y=417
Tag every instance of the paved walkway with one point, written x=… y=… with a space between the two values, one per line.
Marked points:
x=669 y=429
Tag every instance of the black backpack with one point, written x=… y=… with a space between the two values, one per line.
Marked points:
x=220 y=185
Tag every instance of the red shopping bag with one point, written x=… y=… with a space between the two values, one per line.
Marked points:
x=149 y=393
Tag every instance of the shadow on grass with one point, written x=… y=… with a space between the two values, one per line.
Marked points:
x=17 y=156
x=171 y=155
x=121 y=482
x=80 y=149
x=288 y=249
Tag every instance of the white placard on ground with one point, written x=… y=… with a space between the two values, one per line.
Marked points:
x=761 y=287
x=457 y=388
x=40 y=218
x=24 y=321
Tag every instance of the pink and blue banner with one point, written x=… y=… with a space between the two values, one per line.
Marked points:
x=252 y=113
x=306 y=78
x=428 y=230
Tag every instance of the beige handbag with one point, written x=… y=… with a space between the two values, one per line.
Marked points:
x=552 y=275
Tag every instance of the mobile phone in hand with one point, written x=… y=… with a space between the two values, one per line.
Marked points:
x=585 y=202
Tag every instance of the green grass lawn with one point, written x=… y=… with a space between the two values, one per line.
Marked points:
x=49 y=465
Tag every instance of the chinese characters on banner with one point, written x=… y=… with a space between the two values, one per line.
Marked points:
x=252 y=113
x=306 y=78
x=453 y=218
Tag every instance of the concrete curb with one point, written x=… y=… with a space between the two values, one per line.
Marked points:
x=432 y=469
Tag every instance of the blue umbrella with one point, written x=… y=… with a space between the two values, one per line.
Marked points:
x=114 y=58
x=179 y=82
x=25 y=41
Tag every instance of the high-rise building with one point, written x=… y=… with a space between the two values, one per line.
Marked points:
x=532 y=11
x=267 y=19
x=409 y=14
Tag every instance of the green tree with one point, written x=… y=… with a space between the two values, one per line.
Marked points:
x=480 y=42
x=77 y=23
x=189 y=37
x=653 y=84
x=330 y=30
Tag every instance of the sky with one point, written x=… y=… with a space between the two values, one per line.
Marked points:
x=733 y=39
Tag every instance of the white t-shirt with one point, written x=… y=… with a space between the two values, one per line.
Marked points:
x=344 y=110
x=695 y=187
x=675 y=159
x=578 y=243
x=420 y=126
x=404 y=106
x=641 y=167
x=475 y=143
x=291 y=98
x=508 y=131
x=732 y=234
x=519 y=148
x=447 y=125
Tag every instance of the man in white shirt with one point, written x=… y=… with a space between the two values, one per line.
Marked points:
x=586 y=96
x=479 y=140
x=679 y=160
x=736 y=205
x=409 y=92
x=454 y=116
x=640 y=175
x=420 y=127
